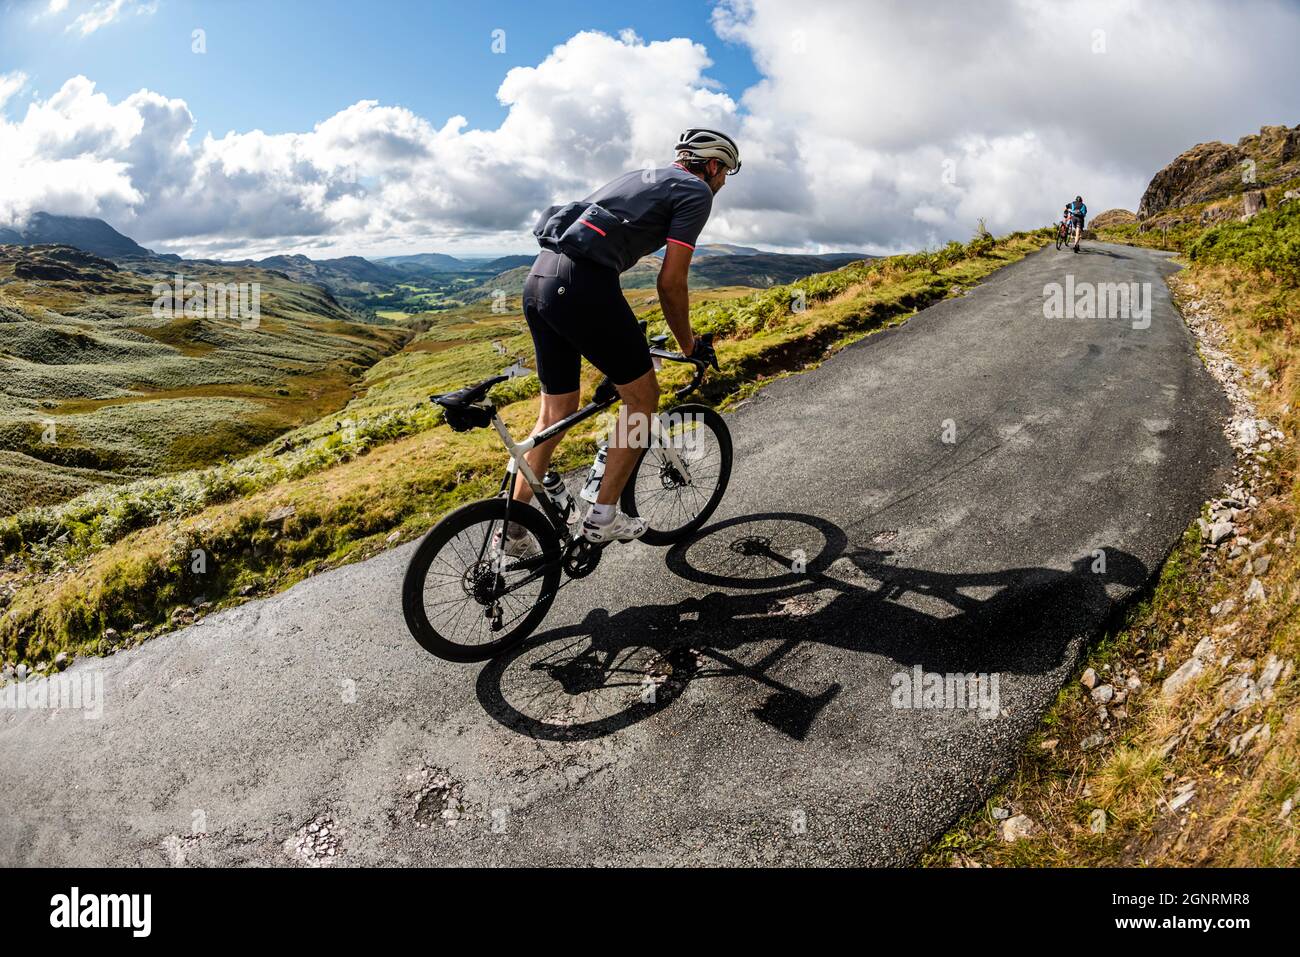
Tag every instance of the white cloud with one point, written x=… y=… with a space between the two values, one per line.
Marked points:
x=371 y=173
x=103 y=13
x=846 y=140
x=875 y=99
x=11 y=83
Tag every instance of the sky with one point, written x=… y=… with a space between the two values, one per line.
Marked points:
x=230 y=128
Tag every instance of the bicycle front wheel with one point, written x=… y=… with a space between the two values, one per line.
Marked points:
x=458 y=604
x=674 y=504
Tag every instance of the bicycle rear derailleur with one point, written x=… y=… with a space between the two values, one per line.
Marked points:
x=580 y=557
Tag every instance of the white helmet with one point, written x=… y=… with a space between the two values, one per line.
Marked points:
x=701 y=144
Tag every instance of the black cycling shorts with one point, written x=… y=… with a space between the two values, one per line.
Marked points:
x=576 y=309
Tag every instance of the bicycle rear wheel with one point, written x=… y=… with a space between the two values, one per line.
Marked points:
x=656 y=491
x=457 y=605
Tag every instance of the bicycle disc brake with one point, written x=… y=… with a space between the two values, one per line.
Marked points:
x=580 y=558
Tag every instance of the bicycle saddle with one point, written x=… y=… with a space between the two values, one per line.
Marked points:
x=468 y=395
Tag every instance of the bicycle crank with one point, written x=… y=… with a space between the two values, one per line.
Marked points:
x=581 y=558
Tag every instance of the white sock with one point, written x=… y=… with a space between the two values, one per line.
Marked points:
x=602 y=514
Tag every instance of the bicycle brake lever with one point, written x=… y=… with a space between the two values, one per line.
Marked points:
x=704 y=352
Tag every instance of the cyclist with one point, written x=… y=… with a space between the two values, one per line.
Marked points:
x=1074 y=216
x=575 y=308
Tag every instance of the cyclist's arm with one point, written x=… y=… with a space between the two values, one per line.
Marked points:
x=674 y=297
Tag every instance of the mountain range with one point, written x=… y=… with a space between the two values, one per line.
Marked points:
x=84 y=232
x=361 y=280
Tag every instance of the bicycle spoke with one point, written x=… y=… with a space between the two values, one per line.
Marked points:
x=465 y=564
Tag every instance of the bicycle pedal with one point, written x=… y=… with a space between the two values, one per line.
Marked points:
x=581 y=557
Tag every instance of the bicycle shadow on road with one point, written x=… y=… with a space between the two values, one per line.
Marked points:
x=793 y=585
x=1098 y=251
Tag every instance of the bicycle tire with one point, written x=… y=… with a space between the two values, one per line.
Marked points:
x=1060 y=238
x=414 y=585
x=667 y=536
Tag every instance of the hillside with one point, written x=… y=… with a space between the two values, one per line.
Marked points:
x=83 y=232
x=95 y=388
x=1212 y=182
x=342 y=276
x=397 y=288
x=424 y=262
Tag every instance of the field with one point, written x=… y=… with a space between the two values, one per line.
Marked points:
x=97 y=389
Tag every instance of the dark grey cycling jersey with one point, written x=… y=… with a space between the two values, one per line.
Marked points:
x=630 y=217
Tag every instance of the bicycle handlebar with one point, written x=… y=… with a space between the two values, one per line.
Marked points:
x=703 y=357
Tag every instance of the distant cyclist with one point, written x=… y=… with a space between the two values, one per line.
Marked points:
x=575 y=307
x=1074 y=216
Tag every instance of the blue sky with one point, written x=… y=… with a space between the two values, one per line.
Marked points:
x=304 y=61
x=864 y=125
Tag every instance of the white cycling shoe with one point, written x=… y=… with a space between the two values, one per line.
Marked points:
x=621 y=528
x=523 y=547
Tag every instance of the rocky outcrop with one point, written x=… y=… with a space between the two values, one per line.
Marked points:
x=1195 y=176
x=1113 y=217
x=1214 y=171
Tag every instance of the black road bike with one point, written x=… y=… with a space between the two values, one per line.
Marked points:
x=468 y=595
x=1063 y=231
x=1062 y=234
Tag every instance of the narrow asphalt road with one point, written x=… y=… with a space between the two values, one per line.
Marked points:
x=951 y=484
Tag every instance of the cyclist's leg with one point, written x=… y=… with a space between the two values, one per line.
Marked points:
x=597 y=321
x=558 y=365
x=553 y=409
x=612 y=341
x=640 y=402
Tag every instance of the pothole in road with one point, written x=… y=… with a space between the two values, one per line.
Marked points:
x=318 y=842
x=437 y=798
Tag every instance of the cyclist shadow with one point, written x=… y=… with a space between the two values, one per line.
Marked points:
x=1099 y=251
x=793 y=581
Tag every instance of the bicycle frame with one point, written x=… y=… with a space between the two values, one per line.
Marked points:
x=604 y=397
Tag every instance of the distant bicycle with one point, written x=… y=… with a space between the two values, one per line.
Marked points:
x=1068 y=233
x=466 y=599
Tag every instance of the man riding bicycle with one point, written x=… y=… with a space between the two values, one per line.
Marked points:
x=574 y=305
x=1073 y=217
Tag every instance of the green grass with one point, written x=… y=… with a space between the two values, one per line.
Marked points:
x=125 y=393
x=1268 y=243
